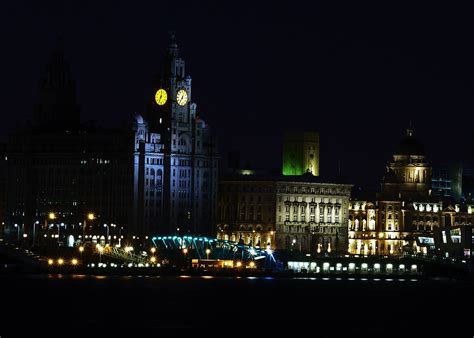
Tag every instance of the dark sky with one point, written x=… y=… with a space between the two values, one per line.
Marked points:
x=357 y=73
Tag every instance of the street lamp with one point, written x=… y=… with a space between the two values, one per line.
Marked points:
x=51 y=217
x=107 y=238
x=18 y=232
x=90 y=217
x=208 y=251
x=185 y=252
x=81 y=250
x=59 y=227
x=34 y=232
x=100 y=248
x=114 y=226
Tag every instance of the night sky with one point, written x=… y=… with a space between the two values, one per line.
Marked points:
x=356 y=73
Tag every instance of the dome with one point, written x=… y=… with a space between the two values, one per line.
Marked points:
x=409 y=145
x=389 y=177
x=138 y=118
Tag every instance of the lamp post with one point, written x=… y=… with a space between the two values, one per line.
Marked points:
x=59 y=237
x=185 y=252
x=81 y=250
x=90 y=217
x=100 y=248
x=34 y=232
x=18 y=232
x=52 y=217
x=208 y=251
x=107 y=238
x=115 y=232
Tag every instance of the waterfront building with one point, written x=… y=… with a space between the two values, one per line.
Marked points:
x=404 y=209
x=304 y=213
x=57 y=166
x=175 y=158
x=157 y=177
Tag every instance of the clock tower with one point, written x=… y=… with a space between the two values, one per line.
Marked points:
x=175 y=157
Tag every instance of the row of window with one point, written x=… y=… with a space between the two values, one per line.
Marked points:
x=312 y=190
x=294 y=199
x=312 y=218
x=240 y=188
x=152 y=160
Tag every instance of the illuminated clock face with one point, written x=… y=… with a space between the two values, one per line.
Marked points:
x=161 y=97
x=182 y=97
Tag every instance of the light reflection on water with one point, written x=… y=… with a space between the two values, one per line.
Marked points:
x=267 y=278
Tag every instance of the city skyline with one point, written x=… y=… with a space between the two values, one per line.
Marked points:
x=204 y=165
x=266 y=70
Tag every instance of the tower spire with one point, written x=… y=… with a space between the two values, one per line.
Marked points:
x=410 y=130
x=57 y=107
x=173 y=48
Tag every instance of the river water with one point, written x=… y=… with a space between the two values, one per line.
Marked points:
x=70 y=305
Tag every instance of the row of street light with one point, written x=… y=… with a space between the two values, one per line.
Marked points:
x=53 y=216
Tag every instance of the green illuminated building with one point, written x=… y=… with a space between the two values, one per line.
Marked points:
x=300 y=153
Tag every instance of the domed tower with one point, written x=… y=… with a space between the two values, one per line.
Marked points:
x=409 y=174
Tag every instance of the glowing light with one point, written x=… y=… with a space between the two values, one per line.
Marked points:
x=185 y=251
x=60 y=261
x=74 y=261
x=161 y=97
x=153 y=259
x=81 y=249
x=52 y=215
x=153 y=250
x=50 y=261
x=91 y=216
x=182 y=97
x=208 y=251
x=239 y=264
x=252 y=264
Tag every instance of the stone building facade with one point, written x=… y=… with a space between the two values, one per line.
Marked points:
x=55 y=164
x=175 y=158
x=405 y=209
x=285 y=212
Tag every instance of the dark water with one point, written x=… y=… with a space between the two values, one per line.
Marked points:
x=75 y=305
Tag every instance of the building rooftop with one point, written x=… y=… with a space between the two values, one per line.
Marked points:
x=306 y=178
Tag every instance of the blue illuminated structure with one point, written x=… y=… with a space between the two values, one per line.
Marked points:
x=218 y=249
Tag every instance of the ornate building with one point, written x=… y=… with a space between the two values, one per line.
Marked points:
x=404 y=210
x=247 y=210
x=175 y=159
x=301 y=213
x=55 y=164
x=312 y=214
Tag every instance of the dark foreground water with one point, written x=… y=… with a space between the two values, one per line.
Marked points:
x=76 y=305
